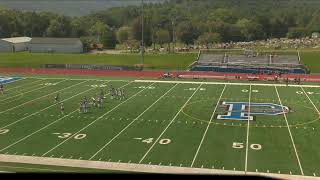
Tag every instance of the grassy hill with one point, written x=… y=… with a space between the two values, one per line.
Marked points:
x=161 y=61
x=152 y=61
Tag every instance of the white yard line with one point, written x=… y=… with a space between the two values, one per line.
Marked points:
x=294 y=146
x=248 y=129
x=227 y=83
x=211 y=118
x=39 y=98
x=74 y=134
x=132 y=122
x=76 y=110
x=29 y=91
x=44 y=108
x=315 y=107
x=9 y=89
x=156 y=141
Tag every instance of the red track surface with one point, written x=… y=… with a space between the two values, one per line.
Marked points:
x=155 y=74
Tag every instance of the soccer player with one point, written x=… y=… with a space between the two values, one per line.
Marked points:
x=56 y=98
x=85 y=100
x=99 y=102
x=101 y=93
x=122 y=92
x=1 y=88
x=94 y=102
x=85 y=107
x=62 y=108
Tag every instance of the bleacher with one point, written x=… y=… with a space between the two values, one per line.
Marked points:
x=248 y=62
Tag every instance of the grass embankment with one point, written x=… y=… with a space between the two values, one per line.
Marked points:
x=151 y=61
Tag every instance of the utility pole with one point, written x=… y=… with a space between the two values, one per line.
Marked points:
x=142 y=33
x=173 y=35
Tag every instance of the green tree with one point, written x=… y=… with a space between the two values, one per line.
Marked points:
x=123 y=34
x=59 y=27
x=186 y=32
x=209 y=39
x=98 y=30
x=296 y=32
x=162 y=37
x=109 y=39
x=136 y=31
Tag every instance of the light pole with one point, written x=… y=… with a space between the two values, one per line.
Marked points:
x=173 y=35
x=142 y=33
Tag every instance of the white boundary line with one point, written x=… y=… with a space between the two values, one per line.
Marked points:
x=75 y=163
x=294 y=146
x=156 y=141
x=50 y=123
x=29 y=91
x=74 y=134
x=132 y=122
x=248 y=129
x=91 y=79
x=38 y=98
x=205 y=133
x=315 y=107
x=227 y=83
x=27 y=168
x=26 y=84
x=43 y=108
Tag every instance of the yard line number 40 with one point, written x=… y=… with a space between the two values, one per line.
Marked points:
x=150 y=140
x=237 y=145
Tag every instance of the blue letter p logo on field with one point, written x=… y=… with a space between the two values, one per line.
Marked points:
x=7 y=80
x=240 y=110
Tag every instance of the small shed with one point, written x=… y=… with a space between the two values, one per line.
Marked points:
x=15 y=44
x=56 y=45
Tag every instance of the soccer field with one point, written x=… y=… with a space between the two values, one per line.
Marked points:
x=240 y=127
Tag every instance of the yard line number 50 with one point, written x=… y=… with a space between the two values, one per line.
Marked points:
x=237 y=145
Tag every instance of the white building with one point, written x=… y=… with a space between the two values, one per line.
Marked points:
x=14 y=44
x=56 y=45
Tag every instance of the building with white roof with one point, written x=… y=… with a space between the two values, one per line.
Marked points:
x=14 y=44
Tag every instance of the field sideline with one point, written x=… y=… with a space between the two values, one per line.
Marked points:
x=152 y=61
x=163 y=124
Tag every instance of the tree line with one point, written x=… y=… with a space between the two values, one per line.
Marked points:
x=188 y=22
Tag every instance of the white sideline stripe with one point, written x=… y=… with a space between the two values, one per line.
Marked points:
x=44 y=108
x=9 y=89
x=156 y=141
x=294 y=146
x=27 y=168
x=132 y=122
x=5 y=171
x=28 y=91
x=248 y=129
x=36 y=99
x=315 y=107
x=137 y=167
x=205 y=133
x=49 y=124
x=74 y=134
x=91 y=79
x=227 y=83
